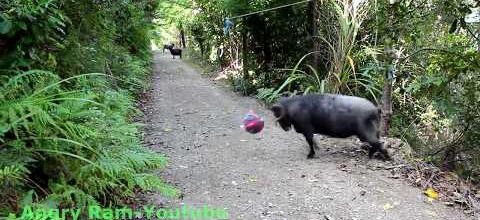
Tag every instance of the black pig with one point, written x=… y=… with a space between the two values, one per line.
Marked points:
x=176 y=52
x=338 y=116
x=167 y=46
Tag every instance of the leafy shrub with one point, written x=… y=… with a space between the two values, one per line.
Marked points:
x=68 y=79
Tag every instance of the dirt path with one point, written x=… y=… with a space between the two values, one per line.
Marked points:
x=215 y=163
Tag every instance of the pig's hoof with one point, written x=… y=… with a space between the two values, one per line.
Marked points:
x=380 y=156
x=310 y=156
x=384 y=154
x=365 y=147
x=386 y=157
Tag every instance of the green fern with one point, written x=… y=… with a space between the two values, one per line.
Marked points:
x=65 y=136
x=102 y=149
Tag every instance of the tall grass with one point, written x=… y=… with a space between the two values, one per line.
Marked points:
x=342 y=75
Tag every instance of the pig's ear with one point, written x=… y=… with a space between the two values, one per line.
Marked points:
x=278 y=111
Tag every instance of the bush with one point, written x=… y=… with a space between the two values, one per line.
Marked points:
x=67 y=91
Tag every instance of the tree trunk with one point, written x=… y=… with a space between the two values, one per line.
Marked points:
x=267 y=51
x=244 y=54
x=386 y=106
x=387 y=90
x=202 y=48
x=182 y=35
x=316 y=43
x=448 y=161
x=388 y=57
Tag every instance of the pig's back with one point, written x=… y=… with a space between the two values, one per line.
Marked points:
x=356 y=103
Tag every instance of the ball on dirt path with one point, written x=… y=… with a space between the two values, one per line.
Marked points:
x=252 y=123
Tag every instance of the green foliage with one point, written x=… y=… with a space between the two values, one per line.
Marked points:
x=437 y=62
x=341 y=41
x=449 y=90
x=173 y=16
x=342 y=75
x=31 y=31
x=273 y=39
x=69 y=72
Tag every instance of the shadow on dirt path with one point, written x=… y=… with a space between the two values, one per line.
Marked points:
x=215 y=163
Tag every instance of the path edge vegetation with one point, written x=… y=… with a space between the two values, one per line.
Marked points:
x=70 y=72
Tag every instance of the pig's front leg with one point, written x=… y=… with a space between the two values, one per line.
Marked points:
x=311 y=143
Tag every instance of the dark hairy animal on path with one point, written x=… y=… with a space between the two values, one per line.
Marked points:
x=176 y=52
x=337 y=116
x=167 y=47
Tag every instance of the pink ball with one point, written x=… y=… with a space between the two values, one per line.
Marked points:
x=253 y=123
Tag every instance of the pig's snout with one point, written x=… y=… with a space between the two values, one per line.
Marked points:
x=281 y=117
